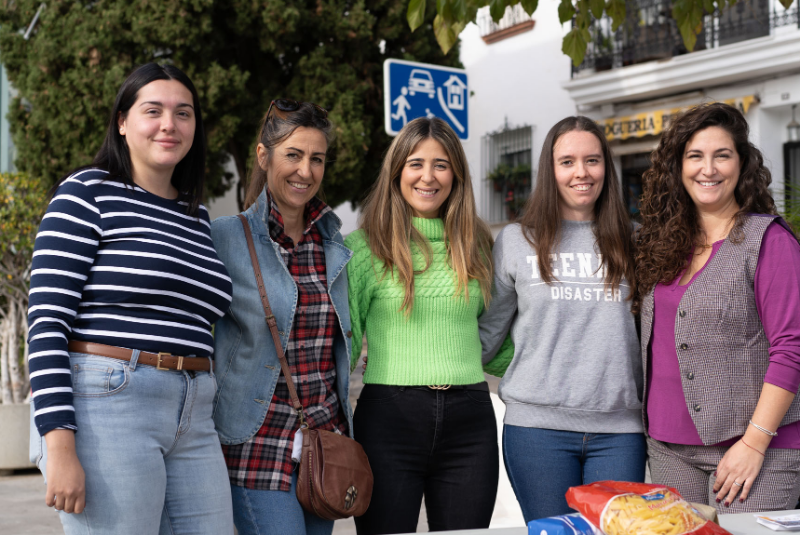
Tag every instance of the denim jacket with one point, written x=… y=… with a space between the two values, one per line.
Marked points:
x=246 y=363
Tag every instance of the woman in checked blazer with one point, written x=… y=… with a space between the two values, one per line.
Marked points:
x=719 y=292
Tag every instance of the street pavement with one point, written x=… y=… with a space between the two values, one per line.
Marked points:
x=22 y=508
x=23 y=512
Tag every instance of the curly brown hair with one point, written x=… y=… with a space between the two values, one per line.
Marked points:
x=670 y=225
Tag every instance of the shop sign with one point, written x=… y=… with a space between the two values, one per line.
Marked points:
x=652 y=123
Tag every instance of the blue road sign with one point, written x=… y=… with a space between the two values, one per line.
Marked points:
x=414 y=90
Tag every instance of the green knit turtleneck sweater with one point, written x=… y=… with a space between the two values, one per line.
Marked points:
x=438 y=343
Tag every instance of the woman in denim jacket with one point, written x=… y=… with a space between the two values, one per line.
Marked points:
x=302 y=257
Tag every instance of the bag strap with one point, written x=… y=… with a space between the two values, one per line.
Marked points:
x=273 y=325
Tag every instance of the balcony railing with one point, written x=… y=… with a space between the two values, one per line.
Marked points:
x=649 y=32
x=514 y=21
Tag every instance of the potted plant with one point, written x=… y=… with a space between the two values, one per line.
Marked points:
x=500 y=177
x=521 y=175
x=22 y=201
x=505 y=177
x=604 y=53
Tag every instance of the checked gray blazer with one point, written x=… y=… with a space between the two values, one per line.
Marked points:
x=723 y=352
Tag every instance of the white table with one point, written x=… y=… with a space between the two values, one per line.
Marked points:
x=745 y=523
x=740 y=524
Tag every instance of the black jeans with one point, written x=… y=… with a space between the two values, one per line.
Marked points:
x=440 y=443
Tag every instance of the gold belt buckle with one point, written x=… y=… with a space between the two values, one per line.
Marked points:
x=158 y=363
x=439 y=387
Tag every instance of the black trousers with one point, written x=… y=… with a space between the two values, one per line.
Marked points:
x=438 y=443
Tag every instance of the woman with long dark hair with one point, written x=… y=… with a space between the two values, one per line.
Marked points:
x=297 y=240
x=125 y=286
x=562 y=287
x=419 y=278
x=719 y=293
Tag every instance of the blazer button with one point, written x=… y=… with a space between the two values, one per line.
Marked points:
x=682 y=313
x=697 y=408
x=349 y=334
x=690 y=376
x=684 y=346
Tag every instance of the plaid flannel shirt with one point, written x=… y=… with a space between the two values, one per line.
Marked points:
x=264 y=462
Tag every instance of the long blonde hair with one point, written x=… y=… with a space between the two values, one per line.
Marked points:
x=386 y=219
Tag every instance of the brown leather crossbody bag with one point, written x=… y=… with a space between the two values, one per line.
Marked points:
x=335 y=479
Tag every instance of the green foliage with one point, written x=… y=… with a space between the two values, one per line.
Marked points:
x=565 y=11
x=505 y=176
x=688 y=15
x=514 y=183
x=529 y=6
x=22 y=203
x=239 y=53
x=446 y=34
x=416 y=13
x=597 y=7
x=574 y=44
x=497 y=8
x=791 y=212
x=616 y=10
x=500 y=175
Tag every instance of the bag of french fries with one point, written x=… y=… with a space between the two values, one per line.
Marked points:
x=621 y=508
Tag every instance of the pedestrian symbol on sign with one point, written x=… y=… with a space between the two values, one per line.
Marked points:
x=414 y=90
x=402 y=105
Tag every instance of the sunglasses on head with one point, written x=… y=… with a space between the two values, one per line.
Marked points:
x=289 y=105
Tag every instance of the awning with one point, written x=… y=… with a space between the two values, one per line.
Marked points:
x=652 y=123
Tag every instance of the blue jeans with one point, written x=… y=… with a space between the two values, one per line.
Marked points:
x=543 y=463
x=275 y=512
x=147 y=444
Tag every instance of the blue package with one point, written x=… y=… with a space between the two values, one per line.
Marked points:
x=562 y=525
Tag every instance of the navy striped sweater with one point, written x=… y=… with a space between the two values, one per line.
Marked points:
x=120 y=266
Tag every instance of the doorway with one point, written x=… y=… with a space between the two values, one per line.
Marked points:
x=633 y=167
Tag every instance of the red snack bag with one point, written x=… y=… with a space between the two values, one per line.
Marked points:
x=621 y=508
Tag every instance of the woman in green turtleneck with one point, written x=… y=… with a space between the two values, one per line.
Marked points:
x=419 y=278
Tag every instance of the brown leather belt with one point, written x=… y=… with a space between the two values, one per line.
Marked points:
x=161 y=361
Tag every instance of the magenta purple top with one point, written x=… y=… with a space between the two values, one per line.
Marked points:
x=777 y=293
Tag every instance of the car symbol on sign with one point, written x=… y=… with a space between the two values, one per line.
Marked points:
x=421 y=81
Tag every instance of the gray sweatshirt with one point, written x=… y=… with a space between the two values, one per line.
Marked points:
x=575 y=364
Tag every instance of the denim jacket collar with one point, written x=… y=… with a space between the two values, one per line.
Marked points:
x=328 y=225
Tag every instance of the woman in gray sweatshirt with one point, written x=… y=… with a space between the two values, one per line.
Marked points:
x=572 y=376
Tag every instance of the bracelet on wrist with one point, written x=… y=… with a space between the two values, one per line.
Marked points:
x=764 y=429
x=751 y=447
